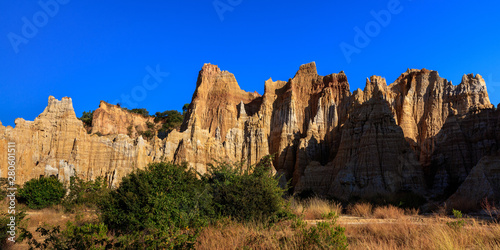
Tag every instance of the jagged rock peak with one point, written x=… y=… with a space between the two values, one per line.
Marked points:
x=211 y=78
x=475 y=81
x=57 y=109
x=376 y=82
x=210 y=69
x=307 y=69
x=416 y=72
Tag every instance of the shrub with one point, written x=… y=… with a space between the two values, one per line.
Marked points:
x=185 y=108
x=88 y=193
x=42 y=192
x=142 y=112
x=150 y=125
x=323 y=235
x=129 y=130
x=86 y=118
x=459 y=222
x=148 y=134
x=172 y=119
x=4 y=228
x=162 y=198
x=250 y=194
x=167 y=205
x=86 y=236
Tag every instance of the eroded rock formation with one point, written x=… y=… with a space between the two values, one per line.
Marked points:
x=418 y=134
x=56 y=143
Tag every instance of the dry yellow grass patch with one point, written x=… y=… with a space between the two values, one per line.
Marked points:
x=315 y=208
x=425 y=233
x=53 y=216
x=392 y=212
x=233 y=235
x=360 y=209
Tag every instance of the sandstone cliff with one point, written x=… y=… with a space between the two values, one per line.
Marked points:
x=110 y=120
x=419 y=134
x=56 y=143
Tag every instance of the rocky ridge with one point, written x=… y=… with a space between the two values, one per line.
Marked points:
x=420 y=134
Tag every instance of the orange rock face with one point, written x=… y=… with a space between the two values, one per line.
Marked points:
x=414 y=135
x=110 y=119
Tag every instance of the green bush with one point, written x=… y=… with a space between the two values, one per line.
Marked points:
x=163 y=198
x=185 y=108
x=171 y=119
x=166 y=205
x=246 y=194
x=42 y=192
x=87 y=193
x=324 y=235
x=143 y=112
x=150 y=125
x=148 y=134
x=86 y=118
x=459 y=222
x=97 y=236
x=4 y=228
x=86 y=236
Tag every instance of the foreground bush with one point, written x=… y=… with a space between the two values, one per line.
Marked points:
x=85 y=193
x=5 y=228
x=167 y=205
x=250 y=194
x=159 y=202
x=42 y=192
x=162 y=196
x=86 y=236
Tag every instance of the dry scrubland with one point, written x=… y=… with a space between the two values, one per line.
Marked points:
x=386 y=227
x=366 y=227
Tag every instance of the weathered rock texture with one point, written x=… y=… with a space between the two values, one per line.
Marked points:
x=482 y=184
x=56 y=143
x=110 y=119
x=418 y=134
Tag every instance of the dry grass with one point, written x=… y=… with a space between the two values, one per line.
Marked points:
x=388 y=212
x=430 y=233
x=232 y=235
x=490 y=209
x=315 y=208
x=53 y=216
x=360 y=209
x=406 y=232
x=392 y=212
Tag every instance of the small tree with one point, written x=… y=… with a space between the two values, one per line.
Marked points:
x=172 y=119
x=246 y=193
x=163 y=197
x=42 y=192
x=142 y=112
x=185 y=108
x=88 y=193
x=86 y=118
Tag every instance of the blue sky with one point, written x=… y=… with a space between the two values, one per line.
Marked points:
x=94 y=50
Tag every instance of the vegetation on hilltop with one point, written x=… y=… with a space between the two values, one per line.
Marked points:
x=169 y=120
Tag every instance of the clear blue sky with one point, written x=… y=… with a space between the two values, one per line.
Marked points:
x=99 y=50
